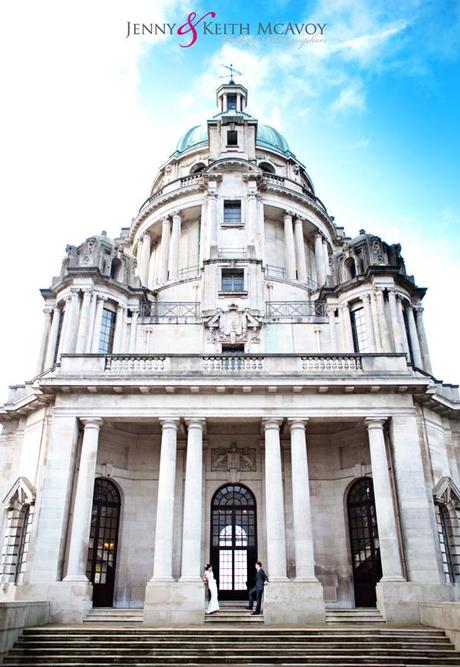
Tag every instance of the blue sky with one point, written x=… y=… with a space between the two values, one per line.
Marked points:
x=88 y=116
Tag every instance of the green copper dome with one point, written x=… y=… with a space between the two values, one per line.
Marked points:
x=266 y=136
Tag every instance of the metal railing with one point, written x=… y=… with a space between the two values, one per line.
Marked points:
x=170 y=310
x=275 y=271
x=232 y=253
x=290 y=309
x=189 y=272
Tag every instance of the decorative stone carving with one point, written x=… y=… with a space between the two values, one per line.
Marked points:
x=242 y=459
x=233 y=326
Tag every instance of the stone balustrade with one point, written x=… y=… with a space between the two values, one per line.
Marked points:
x=261 y=365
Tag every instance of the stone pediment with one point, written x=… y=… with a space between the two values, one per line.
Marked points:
x=22 y=492
x=233 y=164
x=446 y=491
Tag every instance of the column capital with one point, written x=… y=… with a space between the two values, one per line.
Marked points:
x=169 y=422
x=92 y=422
x=176 y=214
x=74 y=291
x=272 y=422
x=419 y=309
x=47 y=310
x=195 y=422
x=298 y=422
x=375 y=422
x=288 y=214
x=165 y=221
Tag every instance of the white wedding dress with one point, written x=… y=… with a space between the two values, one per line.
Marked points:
x=213 y=604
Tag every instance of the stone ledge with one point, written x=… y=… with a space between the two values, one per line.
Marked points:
x=17 y=615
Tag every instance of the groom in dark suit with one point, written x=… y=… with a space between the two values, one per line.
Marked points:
x=257 y=591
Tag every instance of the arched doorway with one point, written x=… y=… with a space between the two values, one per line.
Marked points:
x=364 y=542
x=103 y=542
x=233 y=540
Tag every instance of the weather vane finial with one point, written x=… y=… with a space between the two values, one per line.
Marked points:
x=232 y=71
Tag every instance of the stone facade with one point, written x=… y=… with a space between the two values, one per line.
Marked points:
x=233 y=340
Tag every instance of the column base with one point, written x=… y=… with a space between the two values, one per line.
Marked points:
x=174 y=603
x=69 y=601
x=399 y=601
x=294 y=602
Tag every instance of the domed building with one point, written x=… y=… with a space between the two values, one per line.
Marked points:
x=232 y=379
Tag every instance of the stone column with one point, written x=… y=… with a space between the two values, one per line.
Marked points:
x=375 y=319
x=289 y=249
x=92 y=317
x=332 y=330
x=423 y=339
x=71 y=327
x=47 y=312
x=416 y=353
x=192 y=522
x=274 y=501
x=382 y=322
x=119 y=324
x=162 y=568
x=173 y=272
x=83 y=329
x=211 y=223
x=319 y=259
x=252 y=220
x=152 y=268
x=366 y=299
x=384 y=505
x=65 y=324
x=300 y=251
x=402 y=325
x=133 y=330
x=139 y=256
x=52 y=340
x=97 y=323
x=83 y=505
x=397 y=334
x=327 y=268
x=303 y=533
x=347 y=335
x=164 y=251
x=145 y=258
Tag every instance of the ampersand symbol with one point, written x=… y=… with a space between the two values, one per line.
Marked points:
x=190 y=26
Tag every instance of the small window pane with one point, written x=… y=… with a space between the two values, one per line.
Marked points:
x=231 y=102
x=232 y=213
x=232 y=138
x=359 y=329
x=107 y=331
x=232 y=280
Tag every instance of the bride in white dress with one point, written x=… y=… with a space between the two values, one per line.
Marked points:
x=208 y=577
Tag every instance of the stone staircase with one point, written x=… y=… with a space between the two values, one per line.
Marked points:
x=111 y=615
x=234 y=612
x=358 y=615
x=99 y=645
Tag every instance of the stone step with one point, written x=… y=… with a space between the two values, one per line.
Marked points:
x=358 y=615
x=109 y=615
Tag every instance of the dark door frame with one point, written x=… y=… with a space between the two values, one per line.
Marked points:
x=364 y=541
x=103 y=542
x=226 y=505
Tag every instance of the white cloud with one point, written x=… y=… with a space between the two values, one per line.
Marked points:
x=351 y=98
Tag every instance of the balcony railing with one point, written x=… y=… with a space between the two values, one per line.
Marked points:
x=280 y=273
x=293 y=309
x=192 y=367
x=189 y=272
x=232 y=253
x=189 y=310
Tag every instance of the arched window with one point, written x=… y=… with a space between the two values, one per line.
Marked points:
x=233 y=540
x=267 y=167
x=20 y=505
x=103 y=541
x=446 y=496
x=199 y=166
x=350 y=268
x=364 y=542
x=116 y=269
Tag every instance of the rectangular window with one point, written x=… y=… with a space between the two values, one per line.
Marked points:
x=359 y=330
x=232 y=280
x=107 y=331
x=232 y=213
x=233 y=349
x=231 y=102
x=232 y=138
